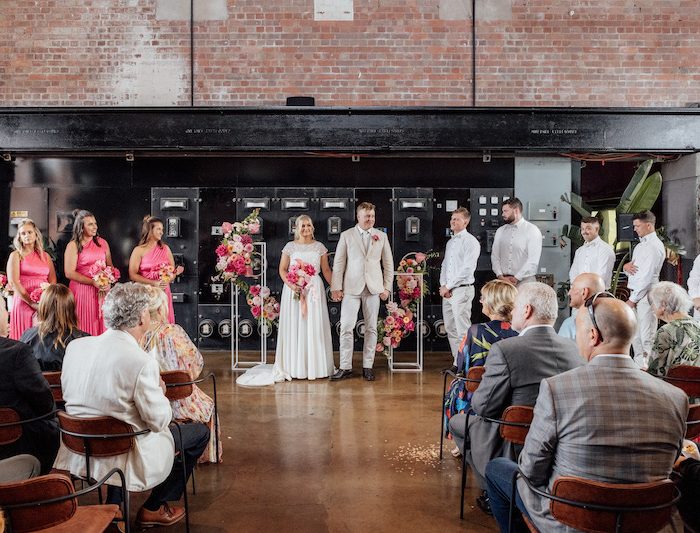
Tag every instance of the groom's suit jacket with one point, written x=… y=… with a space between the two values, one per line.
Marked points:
x=605 y=421
x=354 y=269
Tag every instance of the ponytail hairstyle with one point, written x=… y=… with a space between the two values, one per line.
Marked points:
x=80 y=216
x=149 y=223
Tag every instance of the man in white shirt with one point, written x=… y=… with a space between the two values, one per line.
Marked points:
x=595 y=255
x=517 y=245
x=457 y=279
x=582 y=288
x=694 y=286
x=643 y=272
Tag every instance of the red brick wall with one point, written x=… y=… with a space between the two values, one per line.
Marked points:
x=395 y=52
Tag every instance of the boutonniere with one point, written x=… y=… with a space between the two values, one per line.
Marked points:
x=375 y=238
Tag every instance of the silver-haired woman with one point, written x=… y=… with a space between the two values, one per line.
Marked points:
x=678 y=341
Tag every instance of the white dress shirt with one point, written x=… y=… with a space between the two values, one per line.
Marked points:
x=365 y=236
x=596 y=256
x=694 y=279
x=648 y=257
x=516 y=250
x=461 y=254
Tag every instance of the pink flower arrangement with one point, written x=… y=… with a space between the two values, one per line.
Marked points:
x=235 y=254
x=410 y=281
x=104 y=275
x=166 y=272
x=299 y=274
x=396 y=325
x=36 y=293
x=262 y=305
x=5 y=287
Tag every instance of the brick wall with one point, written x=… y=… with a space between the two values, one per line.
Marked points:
x=393 y=52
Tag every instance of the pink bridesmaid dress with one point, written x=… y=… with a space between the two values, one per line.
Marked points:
x=149 y=268
x=87 y=301
x=33 y=271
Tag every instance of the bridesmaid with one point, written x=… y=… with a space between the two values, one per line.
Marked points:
x=27 y=268
x=84 y=250
x=149 y=255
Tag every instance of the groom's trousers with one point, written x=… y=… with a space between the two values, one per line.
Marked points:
x=348 y=318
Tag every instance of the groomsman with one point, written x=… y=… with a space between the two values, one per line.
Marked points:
x=694 y=286
x=517 y=245
x=595 y=256
x=363 y=272
x=457 y=280
x=642 y=273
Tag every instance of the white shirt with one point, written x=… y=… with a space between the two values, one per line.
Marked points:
x=694 y=279
x=516 y=250
x=365 y=236
x=461 y=254
x=596 y=256
x=533 y=326
x=648 y=257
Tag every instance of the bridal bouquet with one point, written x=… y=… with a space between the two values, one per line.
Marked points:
x=397 y=324
x=35 y=295
x=104 y=275
x=235 y=253
x=300 y=274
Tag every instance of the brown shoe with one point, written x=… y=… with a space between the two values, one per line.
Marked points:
x=164 y=516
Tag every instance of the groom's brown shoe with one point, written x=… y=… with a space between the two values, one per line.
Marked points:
x=368 y=374
x=341 y=374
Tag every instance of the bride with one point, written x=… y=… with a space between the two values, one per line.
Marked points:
x=304 y=345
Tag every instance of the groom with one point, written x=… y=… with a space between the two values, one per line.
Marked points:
x=363 y=272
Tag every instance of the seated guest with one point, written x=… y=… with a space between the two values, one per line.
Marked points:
x=110 y=375
x=688 y=472
x=497 y=300
x=587 y=421
x=24 y=389
x=174 y=350
x=583 y=287
x=678 y=341
x=58 y=325
x=513 y=374
x=18 y=468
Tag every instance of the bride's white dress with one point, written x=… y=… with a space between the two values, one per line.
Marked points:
x=304 y=345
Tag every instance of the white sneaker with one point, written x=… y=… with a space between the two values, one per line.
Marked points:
x=455 y=452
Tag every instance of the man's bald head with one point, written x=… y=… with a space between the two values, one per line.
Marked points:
x=583 y=287
x=617 y=326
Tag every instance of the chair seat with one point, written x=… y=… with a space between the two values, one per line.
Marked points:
x=87 y=519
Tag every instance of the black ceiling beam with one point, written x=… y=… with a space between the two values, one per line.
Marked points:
x=355 y=130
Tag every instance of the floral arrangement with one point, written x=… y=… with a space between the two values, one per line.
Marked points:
x=104 y=275
x=166 y=272
x=236 y=259
x=5 y=289
x=36 y=293
x=300 y=274
x=399 y=320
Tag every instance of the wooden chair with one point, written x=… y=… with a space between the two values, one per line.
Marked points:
x=104 y=436
x=597 y=507
x=685 y=377
x=54 y=380
x=11 y=424
x=692 y=429
x=50 y=503
x=472 y=380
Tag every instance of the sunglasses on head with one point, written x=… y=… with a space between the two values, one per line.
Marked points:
x=590 y=304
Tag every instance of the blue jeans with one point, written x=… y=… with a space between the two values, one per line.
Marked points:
x=499 y=482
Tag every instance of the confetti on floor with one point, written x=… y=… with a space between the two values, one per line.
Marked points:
x=420 y=459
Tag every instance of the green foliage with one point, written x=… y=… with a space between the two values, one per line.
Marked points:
x=644 y=196
x=577 y=203
x=630 y=191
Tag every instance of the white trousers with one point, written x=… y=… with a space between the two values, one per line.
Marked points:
x=348 y=318
x=457 y=313
x=647 y=324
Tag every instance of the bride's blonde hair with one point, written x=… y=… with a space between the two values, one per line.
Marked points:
x=297 y=226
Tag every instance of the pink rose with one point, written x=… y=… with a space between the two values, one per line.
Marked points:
x=246 y=239
x=255 y=290
x=420 y=257
x=375 y=238
x=255 y=310
x=309 y=269
x=254 y=227
x=379 y=348
x=226 y=227
x=221 y=250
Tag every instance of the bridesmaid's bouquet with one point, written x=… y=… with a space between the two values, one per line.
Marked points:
x=104 y=275
x=166 y=272
x=35 y=295
x=4 y=285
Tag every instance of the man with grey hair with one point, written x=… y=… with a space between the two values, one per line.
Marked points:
x=514 y=369
x=110 y=375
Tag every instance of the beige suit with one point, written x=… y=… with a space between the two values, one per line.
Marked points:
x=362 y=273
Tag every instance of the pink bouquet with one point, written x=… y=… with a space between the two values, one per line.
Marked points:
x=395 y=326
x=5 y=289
x=166 y=272
x=262 y=305
x=36 y=293
x=104 y=275
x=300 y=274
x=235 y=254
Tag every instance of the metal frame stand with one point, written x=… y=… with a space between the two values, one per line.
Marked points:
x=417 y=365
x=236 y=364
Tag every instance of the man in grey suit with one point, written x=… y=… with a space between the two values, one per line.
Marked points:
x=605 y=421
x=514 y=369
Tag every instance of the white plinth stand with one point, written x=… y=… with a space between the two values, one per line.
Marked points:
x=413 y=364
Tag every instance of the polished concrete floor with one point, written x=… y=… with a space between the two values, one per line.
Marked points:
x=317 y=456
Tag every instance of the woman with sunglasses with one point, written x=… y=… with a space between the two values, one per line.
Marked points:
x=677 y=342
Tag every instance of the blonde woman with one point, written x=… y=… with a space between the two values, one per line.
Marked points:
x=58 y=325
x=173 y=349
x=28 y=267
x=304 y=346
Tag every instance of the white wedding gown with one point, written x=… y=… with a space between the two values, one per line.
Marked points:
x=304 y=345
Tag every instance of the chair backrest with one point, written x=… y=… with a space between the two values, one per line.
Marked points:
x=13 y=430
x=474 y=375
x=692 y=429
x=105 y=436
x=54 y=380
x=34 y=490
x=516 y=421
x=178 y=384
x=685 y=377
x=635 y=495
